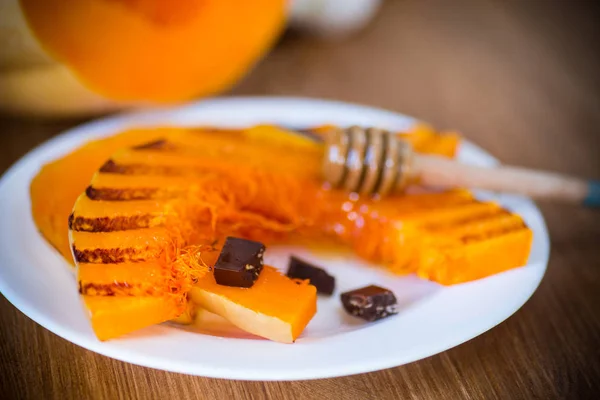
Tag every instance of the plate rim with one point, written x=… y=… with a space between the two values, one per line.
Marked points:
x=152 y=116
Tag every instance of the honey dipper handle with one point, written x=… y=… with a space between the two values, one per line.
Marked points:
x=442 y=172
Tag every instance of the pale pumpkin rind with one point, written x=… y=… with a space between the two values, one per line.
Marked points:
x=275 y=307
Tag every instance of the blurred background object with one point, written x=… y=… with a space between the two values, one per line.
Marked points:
x=332 y=18
x=109 y=55
x=115 y=54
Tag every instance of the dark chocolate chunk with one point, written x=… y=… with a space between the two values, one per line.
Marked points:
x=370 y=303
x=239 y=263
x=318 y=277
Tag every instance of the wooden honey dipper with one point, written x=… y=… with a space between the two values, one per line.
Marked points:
x=375 y=161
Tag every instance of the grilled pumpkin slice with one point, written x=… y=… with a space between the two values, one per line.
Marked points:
x=152 y=221
x=153 y=218
x=275 y=307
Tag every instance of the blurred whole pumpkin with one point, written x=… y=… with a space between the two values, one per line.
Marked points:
x=74 y=57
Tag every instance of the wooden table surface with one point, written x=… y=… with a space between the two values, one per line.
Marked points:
x=520 y=80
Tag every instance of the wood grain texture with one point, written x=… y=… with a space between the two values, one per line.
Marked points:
x=519 y=78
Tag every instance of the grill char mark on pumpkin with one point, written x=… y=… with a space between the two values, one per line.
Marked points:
x=491 y=234
x=159 y=144
x=467 y=219
x=71 y=219
x=114 y=255
x=111 y=224
x=111 y=194
x=116 y=289
x=126 y=194
x=111 y=167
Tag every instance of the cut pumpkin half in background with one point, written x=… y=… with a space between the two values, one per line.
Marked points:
x=156 y=50
x=105 y=54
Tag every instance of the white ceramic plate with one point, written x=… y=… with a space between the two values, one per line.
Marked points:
x=39 y=282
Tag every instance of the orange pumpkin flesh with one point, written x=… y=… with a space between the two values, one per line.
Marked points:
x=57 y=185
x=53 y=195
x=276 y=307
x=150 y=203
x=114 y=316
x=156 y=50
x=245 y=184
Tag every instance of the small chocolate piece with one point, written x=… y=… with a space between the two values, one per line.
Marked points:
x=239 y=263
x=370 y=303
x=318 y=277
